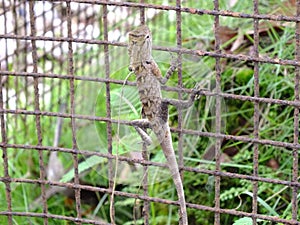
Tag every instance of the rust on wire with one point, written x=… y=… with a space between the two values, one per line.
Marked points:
x=217 y=114
x=256 y=115
x=166 y=88
x=72 y=105
x=240 y=57
x=185 y=131
x=141 y=197
x=191 y=10
x=5 y=158
x=6 y=178
x=295 y=169
x=37 y=107
x=111 y=169
x=142 y=162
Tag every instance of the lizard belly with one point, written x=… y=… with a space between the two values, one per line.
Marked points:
x=151 y=98
x=150 y=95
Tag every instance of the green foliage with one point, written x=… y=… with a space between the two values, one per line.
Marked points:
x=244 y=221
x=231 y=193
x=83 y=166
x=264 y=204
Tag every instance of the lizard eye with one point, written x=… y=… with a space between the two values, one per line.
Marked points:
x=148 y=62
x=148 y=36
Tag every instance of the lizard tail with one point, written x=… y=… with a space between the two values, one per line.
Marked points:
x=169 y=153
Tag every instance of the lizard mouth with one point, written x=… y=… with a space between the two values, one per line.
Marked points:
x=130 y=68
x=133 y=66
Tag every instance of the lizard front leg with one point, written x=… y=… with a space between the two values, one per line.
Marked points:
x=181 y=104
x=196 y=92
x=152 y=65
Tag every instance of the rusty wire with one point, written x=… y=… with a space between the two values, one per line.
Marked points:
x=73 y=115
x=256 y=114
x=295 y=169
x=218 y=114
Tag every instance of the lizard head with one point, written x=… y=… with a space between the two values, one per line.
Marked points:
x=139 y=46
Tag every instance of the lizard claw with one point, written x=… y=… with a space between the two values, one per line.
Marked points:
x=197 y=91
x=174 y=62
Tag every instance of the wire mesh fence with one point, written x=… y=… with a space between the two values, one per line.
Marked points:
x=67 y=137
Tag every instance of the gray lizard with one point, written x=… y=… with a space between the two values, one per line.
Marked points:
x=154 y=107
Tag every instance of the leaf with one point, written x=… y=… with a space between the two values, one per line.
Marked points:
x=85 y=165
x=244 y=75
x=243 y=221
x=264 y=204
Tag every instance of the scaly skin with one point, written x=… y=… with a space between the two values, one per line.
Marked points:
x=154 y=108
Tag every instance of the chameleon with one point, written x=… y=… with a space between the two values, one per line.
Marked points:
x=154 y=107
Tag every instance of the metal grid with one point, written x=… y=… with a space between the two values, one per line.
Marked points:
x=25 y=36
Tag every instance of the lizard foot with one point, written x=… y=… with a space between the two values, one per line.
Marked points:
x=140 y=126
x=197 y=91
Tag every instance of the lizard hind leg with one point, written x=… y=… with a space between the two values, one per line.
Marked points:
x=139 y=126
